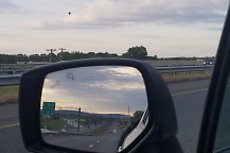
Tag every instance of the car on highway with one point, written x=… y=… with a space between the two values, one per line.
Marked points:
x=208 y=62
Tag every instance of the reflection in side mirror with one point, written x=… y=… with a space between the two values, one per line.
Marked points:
x=134 y=130
x=99 y=108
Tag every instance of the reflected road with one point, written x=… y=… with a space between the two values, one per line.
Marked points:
x=92 y=142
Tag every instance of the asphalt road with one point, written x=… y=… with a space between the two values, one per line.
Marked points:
x=9 y=79
x=188 y=97
x=94 y=142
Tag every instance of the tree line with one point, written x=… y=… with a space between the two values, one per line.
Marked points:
x=137 y=52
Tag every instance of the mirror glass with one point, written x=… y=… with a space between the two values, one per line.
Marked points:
x=98 y=108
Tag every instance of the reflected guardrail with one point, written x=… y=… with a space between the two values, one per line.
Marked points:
x=13 y=79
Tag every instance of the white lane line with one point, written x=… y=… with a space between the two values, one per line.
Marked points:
x=189 y=92
x=9 y=126
x=91 y=146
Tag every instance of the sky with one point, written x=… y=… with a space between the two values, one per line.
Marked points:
x=165 y=27
x=99 y=89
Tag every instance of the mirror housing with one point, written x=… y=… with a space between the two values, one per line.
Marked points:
x=162 y=124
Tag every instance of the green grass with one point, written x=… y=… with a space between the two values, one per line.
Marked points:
x=100 y=130
x=9 y=90
x=9 y=94
x=53 y=124
x=186 y=76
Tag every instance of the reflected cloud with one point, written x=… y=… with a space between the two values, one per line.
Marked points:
x=97 y=89
x=117 y=85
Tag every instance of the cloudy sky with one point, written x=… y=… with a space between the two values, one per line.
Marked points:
x=100 y=89
x=164 y=27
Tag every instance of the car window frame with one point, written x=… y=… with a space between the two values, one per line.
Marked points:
x=216 y=92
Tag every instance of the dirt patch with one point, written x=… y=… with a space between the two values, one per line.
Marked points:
x=9 y=94
x=8 y=99
x=184 y=78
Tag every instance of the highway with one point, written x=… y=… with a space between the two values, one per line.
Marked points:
x=188 y=97
x=93 y=142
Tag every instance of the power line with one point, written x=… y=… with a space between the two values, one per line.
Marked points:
x=62 y=49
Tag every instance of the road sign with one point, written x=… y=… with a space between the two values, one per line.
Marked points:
x=48 y=109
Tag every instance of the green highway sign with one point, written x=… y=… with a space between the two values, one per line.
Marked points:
x=48 y=109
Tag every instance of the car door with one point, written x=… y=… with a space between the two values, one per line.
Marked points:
x=215 y=129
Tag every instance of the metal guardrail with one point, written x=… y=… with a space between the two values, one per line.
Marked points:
x=6 y=80
x=15 y=78
x=17 y=68
x=184 y=68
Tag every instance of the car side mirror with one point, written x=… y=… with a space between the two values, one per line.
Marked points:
x=95 y=105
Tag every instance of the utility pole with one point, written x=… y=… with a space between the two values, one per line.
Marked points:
x=61 y=49
x=79 y=119
x=51 y=53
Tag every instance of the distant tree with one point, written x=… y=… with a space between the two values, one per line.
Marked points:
x=138 y=52
x=137 y=115
x=78 y=55
x=8 y=59
x=21 y=58
x=90 y=55
x=53 y=57
x=194 y=58
x=113 y=55
x=64 y=56
x=44 y=58
x=100 y=54
x=34 y=58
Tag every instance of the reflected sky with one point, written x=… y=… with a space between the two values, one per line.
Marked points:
x=97 y=89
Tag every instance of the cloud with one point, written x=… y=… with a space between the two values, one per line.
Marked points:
x=105 y=89
x=118 y=13
x=7 y=6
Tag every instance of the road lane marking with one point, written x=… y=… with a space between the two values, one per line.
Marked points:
x=91 y=146
x=9 y=126
x=189 y=92
x=182 y=93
